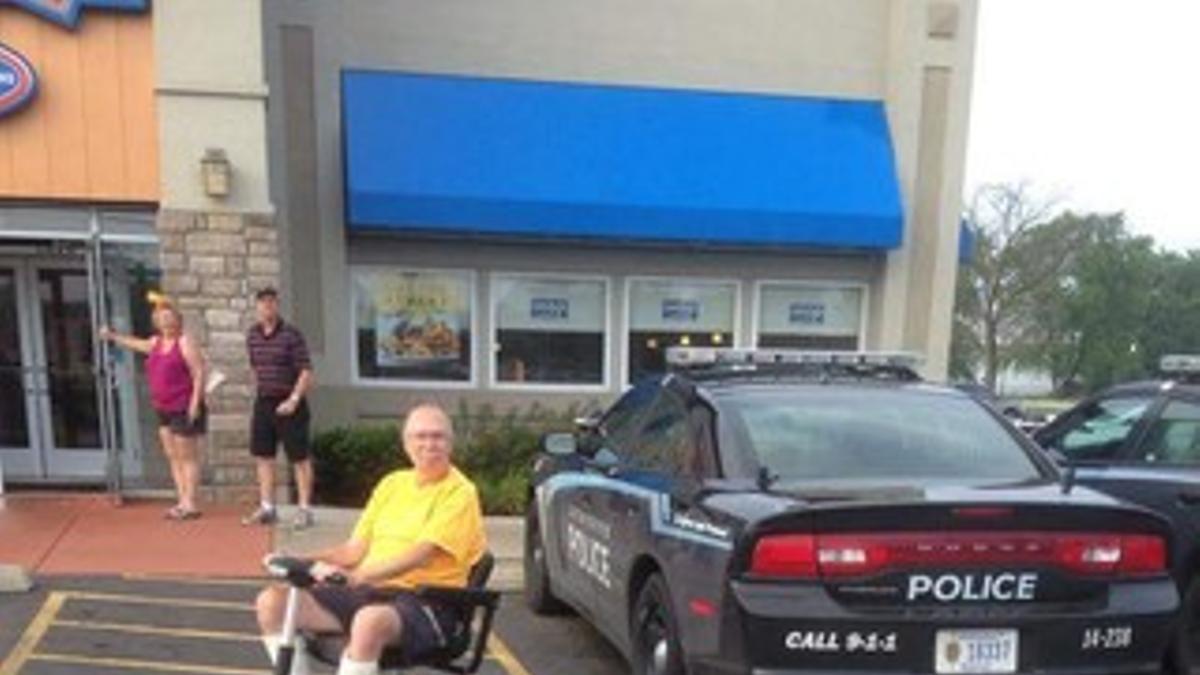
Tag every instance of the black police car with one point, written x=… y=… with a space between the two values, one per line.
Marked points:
x=789 y=512
x=1141 y=441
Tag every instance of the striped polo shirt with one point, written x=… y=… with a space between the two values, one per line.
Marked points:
x=277 y=359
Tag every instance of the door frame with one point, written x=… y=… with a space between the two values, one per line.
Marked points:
x=69 y=463
x=27 y=461
x=44 y=460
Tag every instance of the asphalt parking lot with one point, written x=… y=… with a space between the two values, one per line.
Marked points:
x=106 y=626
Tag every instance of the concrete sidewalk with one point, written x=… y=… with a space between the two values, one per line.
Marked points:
x=505 y=535
x=89 y=534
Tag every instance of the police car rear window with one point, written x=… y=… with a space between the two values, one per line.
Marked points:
x=887 y=435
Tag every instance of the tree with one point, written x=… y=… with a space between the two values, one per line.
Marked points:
x=1087 y=325
x=1172 y=322
x=1017 y=255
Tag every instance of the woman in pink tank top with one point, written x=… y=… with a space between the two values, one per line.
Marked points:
x=175 y=373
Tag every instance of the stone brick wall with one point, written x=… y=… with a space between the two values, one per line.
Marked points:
x=212 y=264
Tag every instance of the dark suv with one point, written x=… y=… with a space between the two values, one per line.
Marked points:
x=791 y=512
x=1141 y=442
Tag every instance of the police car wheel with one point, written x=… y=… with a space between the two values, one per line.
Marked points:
x=656 y=649
x=538 y=595
x=1185 y=650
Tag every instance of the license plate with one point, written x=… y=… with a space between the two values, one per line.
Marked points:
x=976 y=651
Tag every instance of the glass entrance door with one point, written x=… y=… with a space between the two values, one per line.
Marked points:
x=49 y=397
x=66 y=369
x=16 y=381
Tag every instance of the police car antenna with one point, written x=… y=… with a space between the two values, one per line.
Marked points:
x=766 y=478
x=1068 y=479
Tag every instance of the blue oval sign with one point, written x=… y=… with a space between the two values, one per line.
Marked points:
x=18 y=81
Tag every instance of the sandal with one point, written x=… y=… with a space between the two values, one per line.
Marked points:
x=180 y=513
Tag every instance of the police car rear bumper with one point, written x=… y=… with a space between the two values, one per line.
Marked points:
x=1149 y=669
x=703 y=667
x=800 y=629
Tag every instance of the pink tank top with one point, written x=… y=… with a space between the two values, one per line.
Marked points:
x=169 y=377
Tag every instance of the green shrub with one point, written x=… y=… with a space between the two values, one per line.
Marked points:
x=494 y=450
x=349 y=462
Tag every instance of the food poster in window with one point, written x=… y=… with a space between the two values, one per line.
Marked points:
x=419 y=318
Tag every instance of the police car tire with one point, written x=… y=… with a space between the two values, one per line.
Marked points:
x=1185 y=649
x=538 y=596
x=653 y=613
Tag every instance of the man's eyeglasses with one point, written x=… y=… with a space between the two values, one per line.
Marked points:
x=429 y=436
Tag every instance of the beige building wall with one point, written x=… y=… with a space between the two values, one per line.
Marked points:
x=211 y=93
x=914 y=55
x=931 y=47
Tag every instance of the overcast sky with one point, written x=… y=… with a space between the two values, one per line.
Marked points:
x=1096 y=102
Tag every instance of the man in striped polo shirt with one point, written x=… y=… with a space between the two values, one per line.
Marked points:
x=282 y=376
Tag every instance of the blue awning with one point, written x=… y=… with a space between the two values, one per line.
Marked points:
x=966 y=243
x=482 y=156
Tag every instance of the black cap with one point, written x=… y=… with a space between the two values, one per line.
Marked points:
x=266 y=292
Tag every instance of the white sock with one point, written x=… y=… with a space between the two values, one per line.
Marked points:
x=349 y=666
x=299 y=657
x=268 y=506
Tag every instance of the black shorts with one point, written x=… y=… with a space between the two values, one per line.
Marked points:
x=179 y=425
x=268 y=430
x=424 y=625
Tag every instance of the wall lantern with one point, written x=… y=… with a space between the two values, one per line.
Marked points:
x=216 y=173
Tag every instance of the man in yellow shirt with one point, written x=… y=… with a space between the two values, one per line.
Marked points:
x=421 y=526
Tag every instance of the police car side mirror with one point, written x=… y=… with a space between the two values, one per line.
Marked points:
x=588 y=423
x=559 y=445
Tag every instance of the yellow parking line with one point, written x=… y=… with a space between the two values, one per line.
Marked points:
x=134 y=664
x=151 y=600
x=505 y=657
x=198 y=581
x=139 y=629
x=32 y=635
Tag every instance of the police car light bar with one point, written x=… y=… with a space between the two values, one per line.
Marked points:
x=1186 y=364
x=702 y=357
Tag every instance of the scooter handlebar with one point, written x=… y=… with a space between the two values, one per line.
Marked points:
x=298 y=571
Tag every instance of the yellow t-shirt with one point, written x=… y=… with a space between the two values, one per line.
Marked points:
x=401 y=514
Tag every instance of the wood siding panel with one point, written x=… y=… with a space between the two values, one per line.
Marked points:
x=91 y=132
x=139 y=110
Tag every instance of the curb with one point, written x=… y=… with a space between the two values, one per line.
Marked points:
x=505 y=539
x=14 y=579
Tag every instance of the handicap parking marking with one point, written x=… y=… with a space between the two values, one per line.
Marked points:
x=31 y=647
x=156 y=600
x=136 y=664
x=33 y=634
x=157 y=630
x=504 y=656
x=64 y=630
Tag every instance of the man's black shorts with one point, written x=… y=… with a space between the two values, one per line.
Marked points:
x=424 y=626
x=268 y=429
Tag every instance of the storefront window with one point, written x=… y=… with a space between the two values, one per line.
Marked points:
x=549 y=330
x=804 y=316
x=665 y=313
x=413 y=325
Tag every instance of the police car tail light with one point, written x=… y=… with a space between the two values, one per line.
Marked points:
x=855 y=555
x=1121 y=555
x=849 y=556
x=791 y=556
x=1143 y=555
